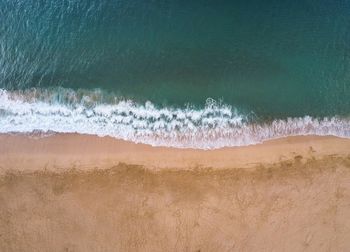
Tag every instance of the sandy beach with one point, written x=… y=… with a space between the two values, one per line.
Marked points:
x=70 y=192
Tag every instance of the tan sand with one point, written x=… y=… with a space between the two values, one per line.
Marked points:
x=73 y=192
x=64 y=151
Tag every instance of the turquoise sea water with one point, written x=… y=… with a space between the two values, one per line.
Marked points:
x=144 y=70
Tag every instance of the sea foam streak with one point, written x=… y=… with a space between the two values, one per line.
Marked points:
x=93 y=112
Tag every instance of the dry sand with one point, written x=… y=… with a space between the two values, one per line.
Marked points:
x=72 y=192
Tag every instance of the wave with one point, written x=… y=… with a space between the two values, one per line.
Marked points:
x=215 y=125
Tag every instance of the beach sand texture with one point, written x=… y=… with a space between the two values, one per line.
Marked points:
x=70 y=192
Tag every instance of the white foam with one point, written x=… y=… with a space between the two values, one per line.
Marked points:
x=213 y=126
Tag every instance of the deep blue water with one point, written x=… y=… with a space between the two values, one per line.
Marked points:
x=266 y=60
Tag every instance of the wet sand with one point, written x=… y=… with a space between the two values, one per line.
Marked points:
x=72 y=192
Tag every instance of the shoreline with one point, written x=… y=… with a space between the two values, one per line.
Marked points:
x=59 y=152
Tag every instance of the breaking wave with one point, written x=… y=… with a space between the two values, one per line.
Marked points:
x=215 y=125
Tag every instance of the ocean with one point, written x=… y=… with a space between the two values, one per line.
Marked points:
x=191 y=74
